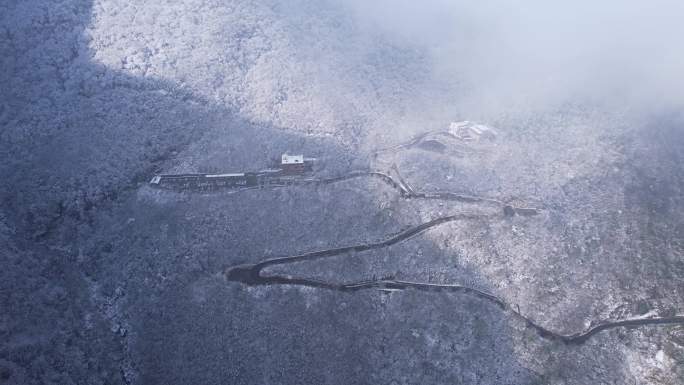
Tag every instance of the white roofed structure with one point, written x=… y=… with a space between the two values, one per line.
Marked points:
x=292 y=159
x=467 y=130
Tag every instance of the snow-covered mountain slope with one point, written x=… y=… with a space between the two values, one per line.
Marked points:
x=110 y=281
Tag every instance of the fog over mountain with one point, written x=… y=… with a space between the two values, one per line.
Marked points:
x=496 y=195
x=542 y=53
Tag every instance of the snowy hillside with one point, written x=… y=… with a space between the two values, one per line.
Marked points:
x=109 y=280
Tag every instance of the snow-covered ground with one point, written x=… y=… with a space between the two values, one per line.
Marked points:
x=106 y=280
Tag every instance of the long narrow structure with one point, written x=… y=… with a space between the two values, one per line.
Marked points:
x=290 y=166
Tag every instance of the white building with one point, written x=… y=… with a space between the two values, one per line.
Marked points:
x=471 y=131
x=292 y=159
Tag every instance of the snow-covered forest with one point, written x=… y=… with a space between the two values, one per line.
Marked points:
x=106 y=280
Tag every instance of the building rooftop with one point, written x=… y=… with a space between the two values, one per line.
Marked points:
x=292 y=159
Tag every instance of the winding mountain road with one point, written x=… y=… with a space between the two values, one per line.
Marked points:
x=253 y=275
